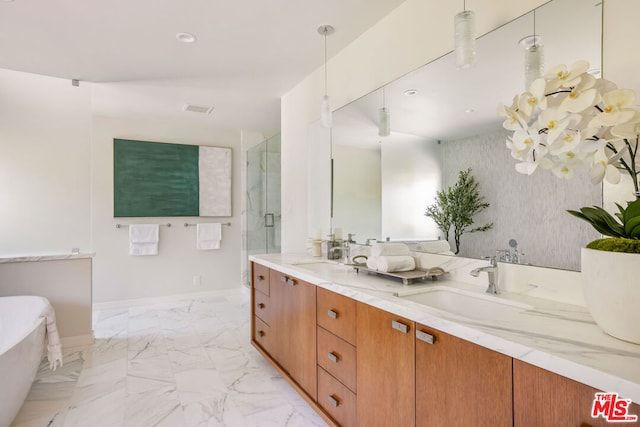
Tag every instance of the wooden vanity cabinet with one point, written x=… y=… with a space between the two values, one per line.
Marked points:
x=337 y=352
x=284 y=324
x=542 y=398
x=261 y=331
x=460 y=383
x=386 y=368
x=293 y=319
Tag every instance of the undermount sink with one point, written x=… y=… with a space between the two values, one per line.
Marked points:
x=320 y=265
x=472 y=305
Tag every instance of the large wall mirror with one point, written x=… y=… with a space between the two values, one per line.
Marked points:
x=443 y=121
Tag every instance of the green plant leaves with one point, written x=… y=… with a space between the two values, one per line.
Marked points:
x=625 y=224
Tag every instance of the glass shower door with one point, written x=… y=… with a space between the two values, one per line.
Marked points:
x=263 y=197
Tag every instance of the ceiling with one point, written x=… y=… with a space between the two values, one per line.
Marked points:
x=248 y=52
x=452 y=104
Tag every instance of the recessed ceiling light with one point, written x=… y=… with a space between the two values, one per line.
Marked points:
x=470 y=110
x=186 y=37
x=410 y=92
x=197 y=108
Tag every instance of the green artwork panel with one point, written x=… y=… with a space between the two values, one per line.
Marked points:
x=152 y=179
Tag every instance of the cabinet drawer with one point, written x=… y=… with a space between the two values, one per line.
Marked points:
x=337 y=314
x=263 y=335
x=260 y=278
x=337 y=400
x=262 y=306
x=337 y=357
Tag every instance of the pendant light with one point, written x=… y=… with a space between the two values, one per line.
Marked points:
x=325 y=107
x=533 y=56
x=465 y=38
x=384 y=126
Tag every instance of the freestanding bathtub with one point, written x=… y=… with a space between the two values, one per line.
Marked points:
x=22 y=333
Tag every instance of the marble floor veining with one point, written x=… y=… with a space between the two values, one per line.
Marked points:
x=185 y=363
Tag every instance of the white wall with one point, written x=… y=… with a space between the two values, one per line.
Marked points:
x=45 y=143
x=117 y=275
x=407 y=38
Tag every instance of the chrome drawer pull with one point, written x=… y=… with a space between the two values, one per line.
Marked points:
x=332 y=314
x=261 y=305
x=291 y=282
x=399 y=326
x=334 y=401
x=423 y=336
x=284 y=279
x=333 y=357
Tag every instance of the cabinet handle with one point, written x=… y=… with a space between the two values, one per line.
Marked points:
x=423 y=336
x=291 y=282
x=335 y=402
x=261 y=305
x=333 y=357
x=284 y=279
x=261 y=277
x=261 y=334
x=399 y=326
x=332 y=314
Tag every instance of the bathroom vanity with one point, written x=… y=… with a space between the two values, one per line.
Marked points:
x=361 y=352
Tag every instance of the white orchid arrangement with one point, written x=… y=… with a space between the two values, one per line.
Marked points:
x=568 y=119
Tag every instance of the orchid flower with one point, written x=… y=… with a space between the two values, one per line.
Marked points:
x=560 y=76
x=616 y=109
x=534 y=98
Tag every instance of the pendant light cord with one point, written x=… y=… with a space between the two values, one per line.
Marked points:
x=325 y=62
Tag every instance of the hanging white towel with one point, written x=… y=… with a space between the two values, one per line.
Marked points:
x=143 y=239
x=208 y=236
x=54 y=348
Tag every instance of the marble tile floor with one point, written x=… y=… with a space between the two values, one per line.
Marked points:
x=185 y=363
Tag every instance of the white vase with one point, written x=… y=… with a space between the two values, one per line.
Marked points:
x=611 y=283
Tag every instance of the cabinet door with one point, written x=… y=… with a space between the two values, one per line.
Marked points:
x=542 y=398
x=460 y=383
x=293 y=322
x=386 y=368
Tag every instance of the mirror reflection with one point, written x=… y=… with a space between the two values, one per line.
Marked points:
x=444 y=121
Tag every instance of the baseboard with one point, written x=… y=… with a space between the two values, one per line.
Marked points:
x=110 y=305
x=77 y=340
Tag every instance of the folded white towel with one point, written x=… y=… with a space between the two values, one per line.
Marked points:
x=389 y=249
x=208 y=235
x=54 y=348
x=391 y=264
x=433 y=247
x=372 y=263
x=143 y=239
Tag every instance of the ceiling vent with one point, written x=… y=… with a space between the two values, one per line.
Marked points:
x=197 y=109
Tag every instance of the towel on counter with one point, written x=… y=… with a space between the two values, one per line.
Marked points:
x=389 y=249
x=143 y=239
x=208 y=236
x=434 y=247
x=54 y=348
x=392 y=264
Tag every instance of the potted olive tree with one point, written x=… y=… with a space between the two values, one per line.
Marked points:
x=456 y=206
x=569 y=119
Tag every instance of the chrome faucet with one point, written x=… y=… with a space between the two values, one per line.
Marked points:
x=492 y=272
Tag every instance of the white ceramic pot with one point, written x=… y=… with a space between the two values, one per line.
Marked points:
x=611 y=283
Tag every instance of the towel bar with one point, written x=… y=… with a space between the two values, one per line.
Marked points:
x=127 y=225
x=186 y=224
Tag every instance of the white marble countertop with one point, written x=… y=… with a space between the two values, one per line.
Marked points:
x=555 y=336
x=44 y=257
